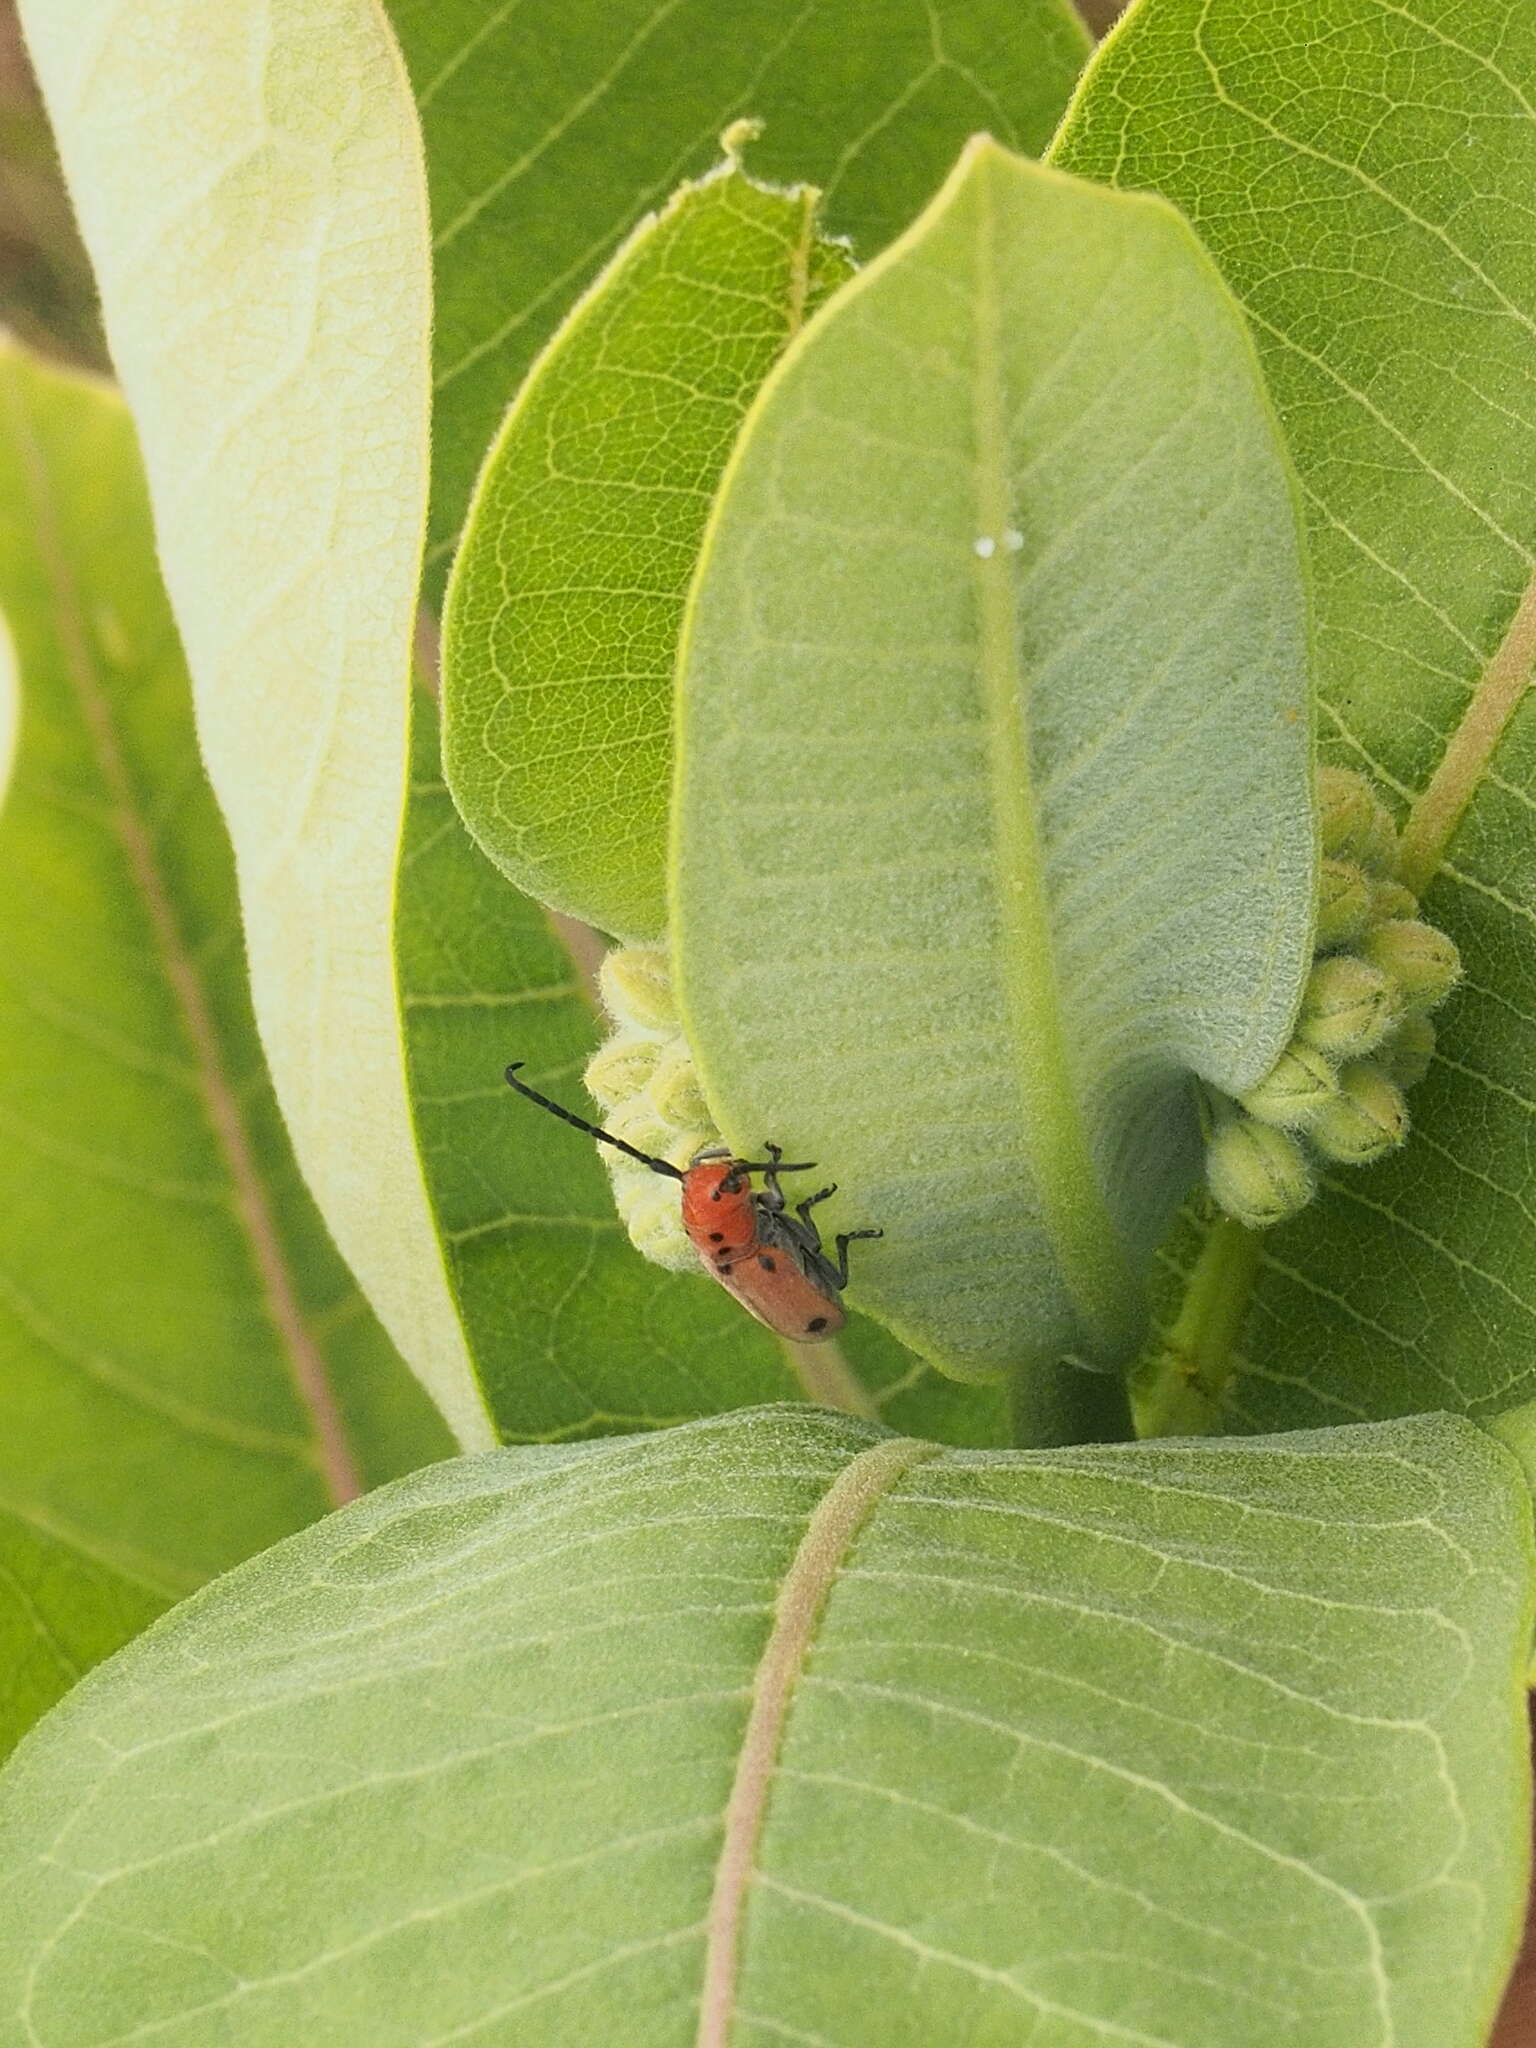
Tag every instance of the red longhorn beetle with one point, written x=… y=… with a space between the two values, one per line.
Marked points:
x=770 y=1259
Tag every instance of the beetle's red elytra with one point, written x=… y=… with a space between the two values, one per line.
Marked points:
x=762 y=1251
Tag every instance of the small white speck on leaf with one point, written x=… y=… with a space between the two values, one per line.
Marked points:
x=985 y=545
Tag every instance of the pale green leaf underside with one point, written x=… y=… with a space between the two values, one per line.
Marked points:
x=560 y=634
x=1184 y=1747
x=187 y=1371
x=551 y=131
x=993 y=813
x=1363 y=175
x=571 y=1332
x=249 y=183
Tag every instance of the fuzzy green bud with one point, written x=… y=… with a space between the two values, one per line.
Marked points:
x=1294 y=1089
x=675 y=1093
x=636 y=982
x=1422 y=961
x=1348 y=1007
x=1356 y=825
x=1406 y=1055
x=621 y=1067
x=653 y=1217
x=1257 y=1174
x=637 y=1123
x=1344 y=899
x=1366 y=1119
x=1391 y=899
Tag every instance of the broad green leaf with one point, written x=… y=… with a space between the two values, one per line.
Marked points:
x=249 y=184
x=551 y=130
x=572 y=1333
x=781 y=1729
x=187 y=1371
x=560 y=636
x=1362 y=174
x=994 y=801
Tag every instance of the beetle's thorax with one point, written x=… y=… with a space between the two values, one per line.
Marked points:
x=719 y=1209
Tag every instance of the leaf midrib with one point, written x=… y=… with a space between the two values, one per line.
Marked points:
x=1055 y=1137
x=829 y=1534
x=251 y=1201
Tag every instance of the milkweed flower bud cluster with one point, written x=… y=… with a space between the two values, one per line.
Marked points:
x=1336 y=1095
x=643 y=1077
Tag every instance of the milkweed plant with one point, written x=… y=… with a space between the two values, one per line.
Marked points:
x=922 y=630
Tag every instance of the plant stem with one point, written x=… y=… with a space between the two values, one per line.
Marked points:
x=1062 y=1403
x=1432 y=823
x=828 y=1379
x=1179 y=1391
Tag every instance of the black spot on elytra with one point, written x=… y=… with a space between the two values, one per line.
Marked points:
x=768 y=1265
x=717 y=1237
x=817 y=1323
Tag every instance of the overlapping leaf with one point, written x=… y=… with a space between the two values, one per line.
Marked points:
x=779 y=1729
x=1362 y=173
x=994 y=800
x=560 y=636
x=187 y=1371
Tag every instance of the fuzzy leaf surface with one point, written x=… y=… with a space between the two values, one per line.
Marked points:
x=560 y=635
x=1363 y=176
x=550 y=132
x=779 y=1728
x=249 y=183
x=994 y=802
x=187 y=1370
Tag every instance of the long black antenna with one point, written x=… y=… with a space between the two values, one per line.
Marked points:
x=567 y=1116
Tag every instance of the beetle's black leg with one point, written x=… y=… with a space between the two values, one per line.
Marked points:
x=773 y=1194
x=844 y=1239
x=802 y=1209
